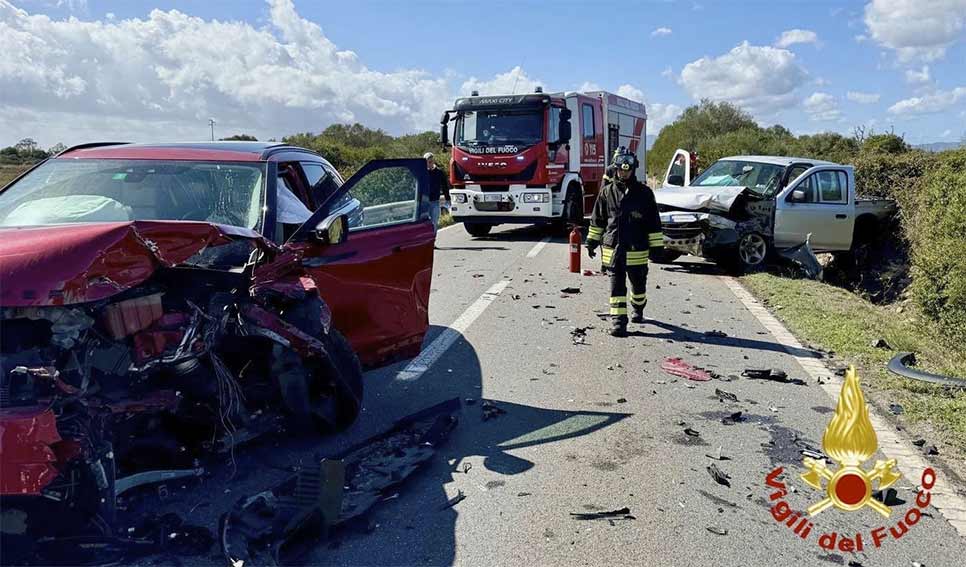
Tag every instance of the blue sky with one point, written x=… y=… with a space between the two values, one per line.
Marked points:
x=877 y=63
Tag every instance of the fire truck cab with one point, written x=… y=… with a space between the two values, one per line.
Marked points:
x=535 y=158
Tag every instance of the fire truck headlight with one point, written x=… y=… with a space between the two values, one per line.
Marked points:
x=459 y=198
x=536 y=198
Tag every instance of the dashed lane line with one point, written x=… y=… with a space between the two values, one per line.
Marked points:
x=911 y=462
x=419 y=365
x=538 y=247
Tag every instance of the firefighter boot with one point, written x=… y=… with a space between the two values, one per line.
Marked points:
x=638 y=316
x=618 y=328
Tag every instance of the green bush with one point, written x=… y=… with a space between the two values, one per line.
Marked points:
x=882 y=174
x=936 y=227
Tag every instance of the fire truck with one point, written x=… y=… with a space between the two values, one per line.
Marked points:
x=535 y=158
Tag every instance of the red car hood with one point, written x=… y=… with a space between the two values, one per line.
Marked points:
x=67 y=264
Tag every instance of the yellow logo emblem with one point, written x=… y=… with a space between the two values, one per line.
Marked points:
x=850 y=441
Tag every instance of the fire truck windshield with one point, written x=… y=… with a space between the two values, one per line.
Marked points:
x=499 y=127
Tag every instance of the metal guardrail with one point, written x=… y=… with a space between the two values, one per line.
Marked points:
x=389 y=213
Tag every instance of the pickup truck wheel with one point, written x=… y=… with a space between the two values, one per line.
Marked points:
x=477 y=230
x=750 y=255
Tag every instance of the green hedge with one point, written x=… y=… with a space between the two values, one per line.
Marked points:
x=935 y=224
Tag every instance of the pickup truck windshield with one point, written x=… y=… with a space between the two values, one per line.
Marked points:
x=761 y=178
x=497 y=128
x=93 y=190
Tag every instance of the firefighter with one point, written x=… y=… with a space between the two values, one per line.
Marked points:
x=626 y=223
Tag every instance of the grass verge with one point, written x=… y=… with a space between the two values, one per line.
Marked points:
x=842 y=322
x=445 y=219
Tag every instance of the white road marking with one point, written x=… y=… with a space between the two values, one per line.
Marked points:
x=538 y=247
x=911 y=462
x=419 y=365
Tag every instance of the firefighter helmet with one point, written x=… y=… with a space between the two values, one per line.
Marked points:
x=625 y=160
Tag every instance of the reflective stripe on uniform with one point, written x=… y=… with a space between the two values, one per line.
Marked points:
x=595 y=233
x=656 y=238
x=618 y=299
x=639 y=299
x=636 y=257
x=607 y=256
x=618 y=310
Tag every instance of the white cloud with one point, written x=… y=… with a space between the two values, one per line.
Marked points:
x=946 y=133
x=791 y=37
x=162 y=76
x=631 y=92
x=863 y=98
x=659 y=115
x=667 y=72
x=660 y=32
x=918 y=77
x=587 y=86
x=513 y=81
x=937 y=101
x=760 y=79
x=822 y=107
x=916 y=29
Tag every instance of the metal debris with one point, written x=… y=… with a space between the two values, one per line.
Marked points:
x=622 y=400
x=717 y=531
x=803 y=257
x=691 y=432
x=772 y=374
x=896 y=409
x=880 y=343
x=734 y=418
x=718 y=475
x=725 y=396
x=579 y=335
x=621 y=514
x=570 y=290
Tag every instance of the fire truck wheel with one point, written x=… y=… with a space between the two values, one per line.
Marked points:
x=477 y=230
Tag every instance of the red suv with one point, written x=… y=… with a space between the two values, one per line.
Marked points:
x=162 y=301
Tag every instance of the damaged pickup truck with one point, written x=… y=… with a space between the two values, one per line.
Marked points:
x=160 y=304
x=743 y=209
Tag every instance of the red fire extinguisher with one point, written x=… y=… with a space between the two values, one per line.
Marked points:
x=575 y=238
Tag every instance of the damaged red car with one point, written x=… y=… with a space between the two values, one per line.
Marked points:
x=161 y=303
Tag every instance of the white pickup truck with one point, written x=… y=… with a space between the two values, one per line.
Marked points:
x=743 y=208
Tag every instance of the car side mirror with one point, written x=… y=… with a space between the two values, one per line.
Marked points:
x=332 y=230
x=797 y=196
x=676 y=180
x=444 y=130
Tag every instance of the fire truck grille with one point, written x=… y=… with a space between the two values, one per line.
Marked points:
x=491 y=207
x=524 y=176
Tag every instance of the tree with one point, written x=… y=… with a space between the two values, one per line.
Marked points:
x=56 y=149
x=27 y=145
x=240 y=138
x=697 y=124
x=888 y=143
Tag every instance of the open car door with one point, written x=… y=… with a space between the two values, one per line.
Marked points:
x=679 y=170
x=377 y=281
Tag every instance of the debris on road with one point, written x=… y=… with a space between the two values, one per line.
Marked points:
x=772 y=374
x=678 y=367
x=725 y=396
x=715 y=333
x=734 y=418
x=880 y=343
x=279 y=525
x=718 y=475
x=901 y=362
x=889 y=497
x=621 y=514
x=930 y=450
x=570 y=290
x=896 y=409
x=579 y=335
x=719 y=456
x=716 y=530
x=919 y=442
x=490 y=410
x=691 y=432
x=804 y=258
x=454 y=500
x=622 y=400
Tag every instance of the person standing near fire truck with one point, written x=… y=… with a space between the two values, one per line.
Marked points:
x=626 y=224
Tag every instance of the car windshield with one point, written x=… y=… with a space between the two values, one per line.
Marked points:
x=95 y=190
x=491 y=128
x=762 y=178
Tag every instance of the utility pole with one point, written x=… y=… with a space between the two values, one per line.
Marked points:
x=211 y=123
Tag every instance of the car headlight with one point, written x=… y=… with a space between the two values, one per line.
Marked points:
x=459 y=198
x=536 y=198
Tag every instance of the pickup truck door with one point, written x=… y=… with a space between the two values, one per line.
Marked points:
x=825 y=209
x=679 y=170
x=377 y=281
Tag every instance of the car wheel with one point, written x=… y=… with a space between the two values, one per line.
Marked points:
x=477 y=230
x=325 y=395
x=752 y=251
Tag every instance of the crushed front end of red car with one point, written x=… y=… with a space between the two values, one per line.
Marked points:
x=130 y=350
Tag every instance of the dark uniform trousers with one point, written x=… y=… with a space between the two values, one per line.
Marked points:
x=625 y=266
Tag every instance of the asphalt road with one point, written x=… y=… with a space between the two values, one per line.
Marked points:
x=592 y=427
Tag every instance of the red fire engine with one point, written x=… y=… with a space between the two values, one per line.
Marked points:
x=535 y=158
